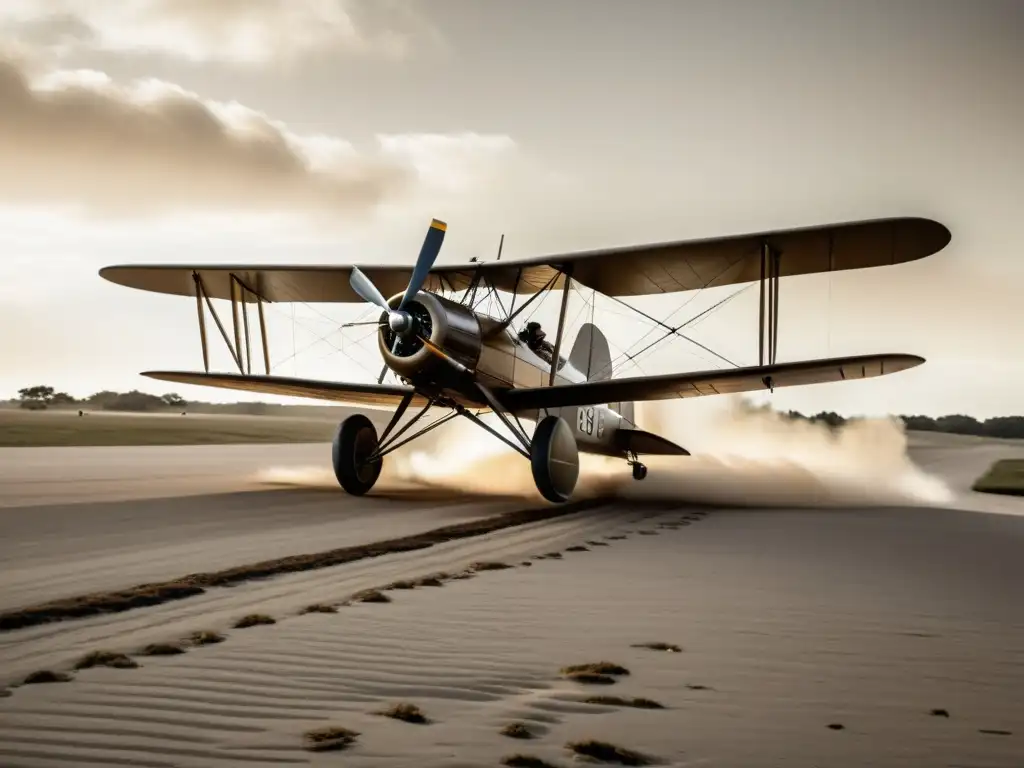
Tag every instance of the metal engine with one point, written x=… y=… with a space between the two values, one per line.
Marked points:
x=446 y=324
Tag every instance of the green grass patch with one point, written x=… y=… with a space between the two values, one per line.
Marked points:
x=20 y=428
x=1006 y=476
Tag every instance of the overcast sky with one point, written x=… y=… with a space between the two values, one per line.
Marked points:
x=322 y=130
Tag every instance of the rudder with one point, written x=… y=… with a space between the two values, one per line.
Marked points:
x=592 y=357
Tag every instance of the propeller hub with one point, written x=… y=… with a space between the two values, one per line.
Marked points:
x=400 y=322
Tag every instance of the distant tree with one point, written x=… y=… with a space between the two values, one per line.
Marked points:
x=62 y=398
x=35 y=398
x=173 y=400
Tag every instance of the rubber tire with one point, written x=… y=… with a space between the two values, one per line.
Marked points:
x=639 y=471
x=554 y=459
x=355 y=439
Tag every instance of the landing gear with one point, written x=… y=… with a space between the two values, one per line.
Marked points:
x=639 y=470
x=354 y=444
x=555 y=459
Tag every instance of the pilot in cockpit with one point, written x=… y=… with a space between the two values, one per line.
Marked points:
x=534 y=337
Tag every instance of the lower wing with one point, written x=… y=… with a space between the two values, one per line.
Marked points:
x=719 y=382
x=344 y=392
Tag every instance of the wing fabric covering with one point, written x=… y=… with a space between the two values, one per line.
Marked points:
x=378 y=395
x=726 y=381
x=639 y=270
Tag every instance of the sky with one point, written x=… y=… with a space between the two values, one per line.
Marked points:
x=320 y=131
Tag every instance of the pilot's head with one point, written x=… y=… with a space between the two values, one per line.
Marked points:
x=533 y=331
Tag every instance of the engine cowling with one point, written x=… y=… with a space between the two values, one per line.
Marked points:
x=446 y=324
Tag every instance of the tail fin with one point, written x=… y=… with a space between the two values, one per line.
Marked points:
x=590 y=354
x=592 y=357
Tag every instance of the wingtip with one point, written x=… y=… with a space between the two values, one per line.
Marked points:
x=438 y=224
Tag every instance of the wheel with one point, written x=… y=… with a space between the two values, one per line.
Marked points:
x=555 y=460
x=639 y=471
x=354 y=442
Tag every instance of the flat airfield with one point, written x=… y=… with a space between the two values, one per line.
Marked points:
x=881 y=636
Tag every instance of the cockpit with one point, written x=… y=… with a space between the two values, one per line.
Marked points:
x=535 y=338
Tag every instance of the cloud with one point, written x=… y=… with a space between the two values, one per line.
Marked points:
x=77 y=138
x=246 y=32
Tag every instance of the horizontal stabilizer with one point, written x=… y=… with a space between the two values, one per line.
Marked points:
x=380 y=395
x=640 y=442
x=726 y=381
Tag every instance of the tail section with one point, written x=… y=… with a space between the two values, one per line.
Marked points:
x=592 y=357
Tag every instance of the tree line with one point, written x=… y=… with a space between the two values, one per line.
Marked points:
x=43 y=397
x=957 y=424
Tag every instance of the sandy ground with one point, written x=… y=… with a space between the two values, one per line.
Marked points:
x=792 y=619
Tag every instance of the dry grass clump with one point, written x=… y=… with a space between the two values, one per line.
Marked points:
x=206 y=637
x=332 y=737
x=162 y=649
x=401 y=584
x=253 y=620
x=319 y=608
x=599 y=543
x=408 y=713
x=371 y=596
x=577 y=548
x=489 y=566
x=517 y=731
x=669 y=647
x=106 y=659
x=608 y=753
x=617 y=701
x=46 y=676
x=597 y=667
x=431 y=581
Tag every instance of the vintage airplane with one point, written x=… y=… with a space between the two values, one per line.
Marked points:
x=449 y=355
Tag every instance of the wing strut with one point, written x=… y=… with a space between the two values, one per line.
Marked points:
x=561 y=323
x=768 y=315
x=238 y=293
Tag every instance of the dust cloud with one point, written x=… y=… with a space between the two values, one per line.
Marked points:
x=742 y=455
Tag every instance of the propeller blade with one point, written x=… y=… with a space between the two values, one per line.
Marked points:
x=425 y=261
x=367 y=290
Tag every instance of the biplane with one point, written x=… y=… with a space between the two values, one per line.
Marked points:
x=447 y=354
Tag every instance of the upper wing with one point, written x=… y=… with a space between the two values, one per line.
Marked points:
x=626 y=271
x=721 y=382
x=357 y=394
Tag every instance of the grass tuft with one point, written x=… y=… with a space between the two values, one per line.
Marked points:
x=669 y=647
x=106 y=659
x=47 y=676
x=371 y=596
x=329 y=738
x=254 y=620
x=319 y=608
x=607 y=753
x=206 y=637
x=597 y=667
x=616 y=701
x=408 y=713
x=517 y=731
x=489 y=566
x=162 y=649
